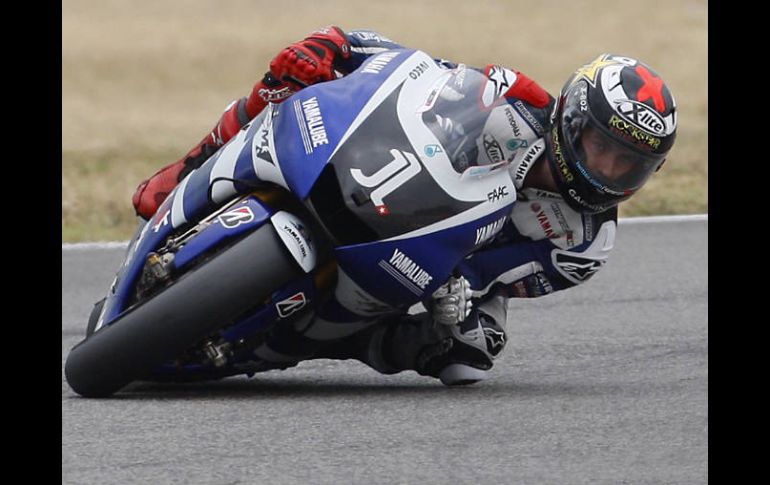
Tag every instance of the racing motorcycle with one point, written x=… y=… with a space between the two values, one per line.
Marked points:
x=357 y=175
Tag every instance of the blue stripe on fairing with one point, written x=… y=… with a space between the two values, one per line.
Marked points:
x=244 y=166
x=196 y=191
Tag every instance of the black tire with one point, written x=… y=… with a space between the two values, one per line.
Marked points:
x=175 y=319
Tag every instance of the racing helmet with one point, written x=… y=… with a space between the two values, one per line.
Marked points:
x=612 y=127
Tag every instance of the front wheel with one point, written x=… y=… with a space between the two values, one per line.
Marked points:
x=197 y=304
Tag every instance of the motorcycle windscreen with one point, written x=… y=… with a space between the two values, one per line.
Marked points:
x=458 y=112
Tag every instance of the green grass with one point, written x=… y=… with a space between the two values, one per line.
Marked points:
x=143 y=81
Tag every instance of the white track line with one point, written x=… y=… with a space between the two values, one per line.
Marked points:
x=652 y=219
x=85 y=246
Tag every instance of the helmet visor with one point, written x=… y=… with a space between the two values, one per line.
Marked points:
x=608 y=163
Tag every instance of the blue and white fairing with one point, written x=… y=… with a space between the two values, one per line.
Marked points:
x=358 y=152
x=384 y=186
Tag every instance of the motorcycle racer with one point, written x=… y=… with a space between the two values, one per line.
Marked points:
x=572 y=160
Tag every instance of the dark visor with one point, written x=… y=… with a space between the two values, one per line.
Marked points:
x=607 y=163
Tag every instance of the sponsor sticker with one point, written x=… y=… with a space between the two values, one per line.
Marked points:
x=431 y=150
x=487 y=232
x=497 y=194
x=261 y=143
x=573 y=193
x=390 y=177
x=492 y=148
x=523 y=111
x=499 y=82
x=235 y=217
x=419 y=69
x=273 y=95
x=379 y=62
x=633 y=134
x=532 y=154
x=371 y=36
x=559 y=157
x=296 y=238
x=545 y=224
x=311 y=124
x=561 y=219
x=512 y=121
x=406 y=272
x=576 y=268
x=516 y=143
x=642 y=116
x=291 y=305
x=495 y=340
x=436 y=88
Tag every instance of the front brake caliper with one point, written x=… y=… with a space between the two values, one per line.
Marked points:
x=157 y=271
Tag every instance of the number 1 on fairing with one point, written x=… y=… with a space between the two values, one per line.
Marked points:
x=403 y=167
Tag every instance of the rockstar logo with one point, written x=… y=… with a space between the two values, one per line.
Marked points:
x=589 y=71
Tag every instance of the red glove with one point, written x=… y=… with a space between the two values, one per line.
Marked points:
x=313 y=59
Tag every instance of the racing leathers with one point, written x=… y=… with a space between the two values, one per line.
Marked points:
x=542 y=246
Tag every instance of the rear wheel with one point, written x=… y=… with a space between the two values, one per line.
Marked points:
x=196 y=305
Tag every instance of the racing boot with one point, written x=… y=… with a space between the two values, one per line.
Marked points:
x=151 y=193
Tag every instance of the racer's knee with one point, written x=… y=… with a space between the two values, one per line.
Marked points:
x=472 y=344
x=456 y=354
x=151 y=193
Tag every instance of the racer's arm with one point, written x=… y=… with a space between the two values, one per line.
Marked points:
x=366 y=43
x=516 y=268
x=306 y=62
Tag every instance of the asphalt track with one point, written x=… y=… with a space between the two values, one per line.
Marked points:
x=605 y=383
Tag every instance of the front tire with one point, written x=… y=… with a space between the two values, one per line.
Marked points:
x=195 y=305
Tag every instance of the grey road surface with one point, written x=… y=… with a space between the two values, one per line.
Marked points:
x=605 y=383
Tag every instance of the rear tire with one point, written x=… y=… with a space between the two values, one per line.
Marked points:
x=195 y=305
